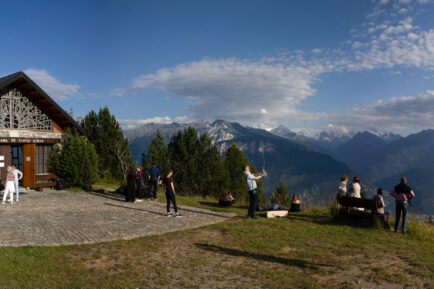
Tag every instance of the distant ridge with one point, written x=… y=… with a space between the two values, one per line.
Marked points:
x=313 y=175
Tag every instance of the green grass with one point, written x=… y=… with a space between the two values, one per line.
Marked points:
x=307 y=250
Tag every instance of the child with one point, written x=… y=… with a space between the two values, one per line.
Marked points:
x=380 y=204
x=10 y=186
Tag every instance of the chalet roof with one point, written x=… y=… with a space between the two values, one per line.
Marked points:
x=31 y=90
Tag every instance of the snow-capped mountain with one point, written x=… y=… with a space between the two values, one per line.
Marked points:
x=304 y=170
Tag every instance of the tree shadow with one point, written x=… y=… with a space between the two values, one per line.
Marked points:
x=339 y=220
x=261 y=257
x=216 y=205
x=119 y=198
x=137 y=209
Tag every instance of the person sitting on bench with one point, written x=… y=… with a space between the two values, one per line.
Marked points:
x=355 y=190
x=295 y=204
x=380 y=204
x=226 y=200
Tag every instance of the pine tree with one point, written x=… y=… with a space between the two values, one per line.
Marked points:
x=235 y=161
x=157 y=153
x=74 y=160
x=280 y=196
x=209 y=164
x=183 y=156
x=104 y=131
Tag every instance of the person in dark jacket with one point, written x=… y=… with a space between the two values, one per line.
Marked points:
x=154 y=179
x=131 y=182
x=403 y=195
x=295 y=204
x=170 y=194
x=139 y=181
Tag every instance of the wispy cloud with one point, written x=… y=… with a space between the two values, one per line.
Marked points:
x=50 y=84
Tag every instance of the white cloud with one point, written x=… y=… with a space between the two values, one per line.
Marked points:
x=398 y=113
x=266 y=92
x=235 y=89
x=51 y=85
x=135 y=123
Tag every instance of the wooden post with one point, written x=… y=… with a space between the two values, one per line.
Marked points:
x=29 y=176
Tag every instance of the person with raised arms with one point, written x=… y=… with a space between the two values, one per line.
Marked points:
x=252 y=189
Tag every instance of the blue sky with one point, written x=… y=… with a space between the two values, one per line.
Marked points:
x=336 y=65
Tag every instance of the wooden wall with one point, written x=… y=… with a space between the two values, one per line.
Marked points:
x=5 y=151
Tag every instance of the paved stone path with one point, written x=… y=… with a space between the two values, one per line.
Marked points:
x=51 y=218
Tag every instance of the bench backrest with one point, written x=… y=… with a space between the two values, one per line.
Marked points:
x=358 y=203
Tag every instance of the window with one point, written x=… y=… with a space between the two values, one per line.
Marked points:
x=41 y=158
x=17 y=111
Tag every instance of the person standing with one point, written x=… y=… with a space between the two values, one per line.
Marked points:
x=380 y=204
x=252 y=190
x=10 y=186
x=170 y=194
x=17 y=172
x=130 y=195
x=139 y=181
x=403 y=195
x=154 y=179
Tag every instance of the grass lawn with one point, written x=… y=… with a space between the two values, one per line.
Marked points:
x=306 y=250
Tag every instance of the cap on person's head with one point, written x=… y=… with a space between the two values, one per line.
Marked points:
x=380 y=191
x=404 y=180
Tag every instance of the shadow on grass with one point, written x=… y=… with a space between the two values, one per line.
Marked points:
x=337 y=221
x=261 y=257
x=216 y=205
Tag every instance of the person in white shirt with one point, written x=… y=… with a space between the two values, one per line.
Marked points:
x=17 y=172
x=252 y=189
x=355 y=190
x=342 y=190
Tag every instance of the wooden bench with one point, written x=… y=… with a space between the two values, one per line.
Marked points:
x=46 y=181
x=350 y=207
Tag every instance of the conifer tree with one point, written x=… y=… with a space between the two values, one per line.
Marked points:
x=280 y=196
x=183 y=155
x=234 y=161
x=157 y=153
x=74 y=160
x=210 y=180
x=104 y=131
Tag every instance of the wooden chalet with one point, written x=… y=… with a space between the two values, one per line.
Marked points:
x=31 y=122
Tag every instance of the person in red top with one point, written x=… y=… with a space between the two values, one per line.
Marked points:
x=402 y=194
x=170 y=194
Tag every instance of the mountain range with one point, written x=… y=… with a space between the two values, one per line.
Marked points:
x=313 y=175
x=312 y=164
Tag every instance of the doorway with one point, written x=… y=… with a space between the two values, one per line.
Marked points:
x=17 y=157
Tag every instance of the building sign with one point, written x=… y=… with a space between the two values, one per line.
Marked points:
x=16 y=140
